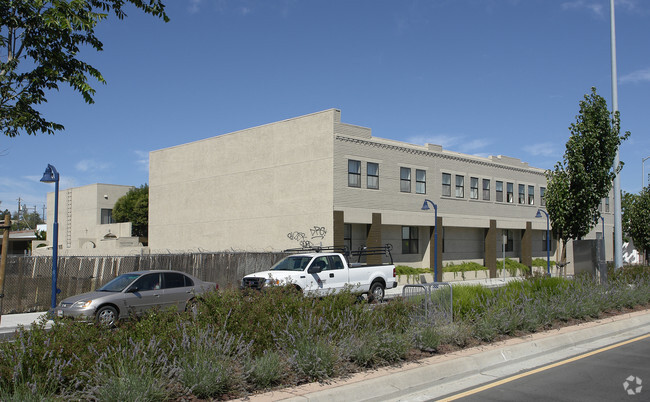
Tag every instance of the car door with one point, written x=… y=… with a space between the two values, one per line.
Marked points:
x=335 y=274
x=178 y=289
x=144 y=294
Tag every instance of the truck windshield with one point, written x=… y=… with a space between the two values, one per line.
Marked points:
x=293 y=263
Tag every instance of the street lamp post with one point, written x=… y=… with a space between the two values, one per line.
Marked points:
x=548 y=240
x=52 y=176
x=603 y=267
x=425 y=207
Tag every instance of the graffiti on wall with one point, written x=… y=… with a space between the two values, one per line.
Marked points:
x=316 y=234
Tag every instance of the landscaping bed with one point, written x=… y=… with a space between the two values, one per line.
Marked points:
x=244 y=343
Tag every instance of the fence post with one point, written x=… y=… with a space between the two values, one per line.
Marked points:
x=3 y=259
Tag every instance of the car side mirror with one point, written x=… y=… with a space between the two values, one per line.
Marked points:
x=132 y=289
x=314 y=269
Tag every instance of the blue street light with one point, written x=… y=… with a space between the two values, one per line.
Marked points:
x=52 y=176
x=548 y=240
x=425 y=207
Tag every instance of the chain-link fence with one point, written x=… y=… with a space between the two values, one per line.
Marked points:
x=28 y=280
x=434 y=301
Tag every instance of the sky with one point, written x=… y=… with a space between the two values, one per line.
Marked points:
x=482 y=77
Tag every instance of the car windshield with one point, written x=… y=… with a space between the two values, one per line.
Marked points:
x=120 y=283
x=293 y=263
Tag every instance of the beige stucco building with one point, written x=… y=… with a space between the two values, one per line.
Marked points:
x=86 y=225
x=316 y=180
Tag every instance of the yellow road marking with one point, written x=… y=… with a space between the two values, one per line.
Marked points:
x=540 y=369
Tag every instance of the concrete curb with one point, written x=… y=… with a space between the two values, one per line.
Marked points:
x=410 y=381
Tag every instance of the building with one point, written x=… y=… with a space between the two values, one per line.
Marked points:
x=316 y=180
x=86 y=225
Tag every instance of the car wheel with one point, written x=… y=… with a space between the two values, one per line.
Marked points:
x=107 y=316
x=376 y=292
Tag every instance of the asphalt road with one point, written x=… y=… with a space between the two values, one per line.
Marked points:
x=599 y=375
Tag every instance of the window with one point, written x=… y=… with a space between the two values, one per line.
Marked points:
x=405 y=180
x=499 y=191
x=147 y=282
x=174 y=280
x=509 y=241
x=347 y=235
x=542 y=192
x=336 y=262
x=607 y=204
x=373 y=175
x=354 y=173
x=460 y=186
x=510 y=194
x=107 y=216
x=420 y=181
x=409 y=240
x=522 y=194
x=486 y=189
x=531 y=195
x=446 y=184
x=473 y=188
x=322 y=262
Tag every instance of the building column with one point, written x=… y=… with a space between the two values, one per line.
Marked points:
x=339 y=229
x=374 y=239
x=490 y=253
x=527 y=246
x=432 y=249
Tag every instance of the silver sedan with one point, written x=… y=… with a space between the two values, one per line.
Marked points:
x=135 y=293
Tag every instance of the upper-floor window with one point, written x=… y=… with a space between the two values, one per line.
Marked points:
x=354 y=173
x=420 y=181
x=510 y=192
x=499 y=191
x=473 y=188
x=106 y=216
x=410 y=240
x=531 y=195
x=522 y=194
x=460 y=186
x=607 y=204
x=542 y=198
x=405 y=180
x=373 y=175
x=486 y=189
x=446 y=184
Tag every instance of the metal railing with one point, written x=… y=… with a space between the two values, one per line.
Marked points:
x=434 y=301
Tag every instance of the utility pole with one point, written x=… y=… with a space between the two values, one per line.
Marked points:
x=618 y=224
x=6 y=226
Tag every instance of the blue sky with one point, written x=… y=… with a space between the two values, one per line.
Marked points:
x=484 y=77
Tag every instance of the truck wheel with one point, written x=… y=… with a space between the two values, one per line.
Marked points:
x=376 y=292
x=107 y=316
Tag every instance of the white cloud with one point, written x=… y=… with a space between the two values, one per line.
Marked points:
x=593 y=6
x=545 y=149
x=636 y=76
x=90 y=165
x=142 y=160
x=195 y=6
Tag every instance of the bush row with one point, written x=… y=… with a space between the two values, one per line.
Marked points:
x=243 y=342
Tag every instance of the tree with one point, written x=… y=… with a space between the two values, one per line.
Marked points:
x=25 y=220
x=40 y=41
x=636 y=219
x=578 y=184
x=134 y=207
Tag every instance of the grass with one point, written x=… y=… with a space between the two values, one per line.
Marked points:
x=242 y=342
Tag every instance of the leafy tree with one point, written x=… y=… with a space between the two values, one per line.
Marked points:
x=39 y=43
x=134 y=207
x=25 y=220
x=636 y=218
x=578 y=184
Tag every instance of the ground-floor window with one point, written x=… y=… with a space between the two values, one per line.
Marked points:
x=410 y=240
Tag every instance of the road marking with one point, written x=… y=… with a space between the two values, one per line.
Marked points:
x=540 y=369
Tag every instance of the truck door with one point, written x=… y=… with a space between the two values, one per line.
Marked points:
x=336 y=274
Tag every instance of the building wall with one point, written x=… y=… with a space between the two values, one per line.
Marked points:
x=80 y=216
x=263 y=188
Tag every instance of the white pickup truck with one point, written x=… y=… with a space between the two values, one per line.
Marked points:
x=318 y=272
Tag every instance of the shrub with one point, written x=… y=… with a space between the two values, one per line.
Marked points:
x=266 y=370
